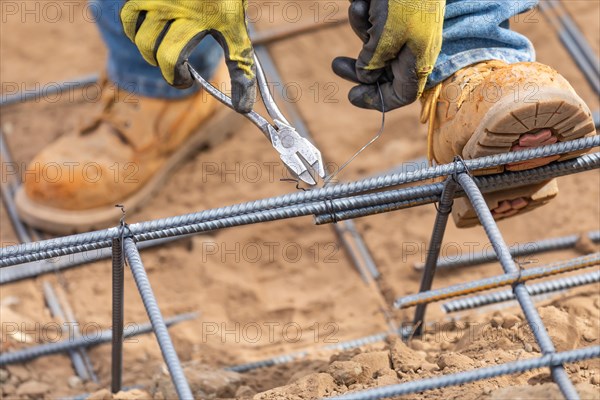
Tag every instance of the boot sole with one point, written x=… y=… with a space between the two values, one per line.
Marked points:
x=564 y=113
x=59 y=221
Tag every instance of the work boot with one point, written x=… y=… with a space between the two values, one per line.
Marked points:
x=119 y=156
x=493 y=107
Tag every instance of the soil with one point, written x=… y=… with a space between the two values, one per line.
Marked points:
x=271 y=289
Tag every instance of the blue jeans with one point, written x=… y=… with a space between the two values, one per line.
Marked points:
x=478 y=30
x=474 y=31
x=128 y=69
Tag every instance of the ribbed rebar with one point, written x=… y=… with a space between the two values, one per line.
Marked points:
x=37 y=268
x=118 y=276
x=158 y=324
x=58 y=313
x=30 y=353
x=531 y=315
x=498 y=281
x=520 y=250
x=490 y=183
x=190 y=223
x=555 y=285
x=460 y=378
x=433 y=251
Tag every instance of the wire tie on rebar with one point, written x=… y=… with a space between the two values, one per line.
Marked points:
x=331 y=210
x=458 y=159
x=124 y=230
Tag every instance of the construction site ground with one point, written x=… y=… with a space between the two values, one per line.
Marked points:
x=274 y=288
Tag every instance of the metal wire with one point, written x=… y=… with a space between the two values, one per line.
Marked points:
x=525 y=249
x=158 y=324
x=276 y=207
x=506 y=295
x=30 y=353
x=531 y=315
x=510 y=278
x=460 y=378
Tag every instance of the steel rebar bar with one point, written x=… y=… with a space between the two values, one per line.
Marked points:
x=158 y=324
x=531 y=314
x=61 y=295
x=506 y=279
x=433 y=251
x=30 y=353
x=57 y=312
x=118 y=281
x=519 y=250
x=294 y=204
x=460 y=378
x=550 y=286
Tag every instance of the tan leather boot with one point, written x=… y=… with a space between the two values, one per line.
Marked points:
x=120 y=156
x=493 y=107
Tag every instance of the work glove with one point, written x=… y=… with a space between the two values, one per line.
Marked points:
x=402 y=40
x=167 y=31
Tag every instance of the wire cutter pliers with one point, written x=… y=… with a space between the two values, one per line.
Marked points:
x=299 y=155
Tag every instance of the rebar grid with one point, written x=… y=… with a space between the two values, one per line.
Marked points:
x=156 y=319
x=534 y=290
x=460 y=378
x=510 y=278
x=533 y=318
x=313 y=202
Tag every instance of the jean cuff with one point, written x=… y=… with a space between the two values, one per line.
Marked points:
x=455 y=63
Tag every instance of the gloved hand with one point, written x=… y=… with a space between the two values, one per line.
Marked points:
x=166 y=32
x=402 y=40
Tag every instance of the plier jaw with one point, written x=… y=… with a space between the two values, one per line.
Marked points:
x=299 y=155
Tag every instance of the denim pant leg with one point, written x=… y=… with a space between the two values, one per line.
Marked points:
x=128 y=69
x=478 y=30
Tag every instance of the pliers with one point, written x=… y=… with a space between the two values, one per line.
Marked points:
x=299 y=155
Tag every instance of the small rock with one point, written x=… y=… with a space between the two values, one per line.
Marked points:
x=404 y=359
x=497 y=321
x=419 y=345
x=4 y=375
x=595 y=380
x=244 y=392
x=74 y=382
x=375 y=361
x=487 y=390
x=19 y=372
x=33 y=388
x=348 y=372
x=135 y=394
x=103 y=394
x=430 y=367
x=528 y=347
x=455 y=360
x=510 y=321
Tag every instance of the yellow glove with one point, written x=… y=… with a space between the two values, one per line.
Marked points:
x=166 y=32
x=402 y=40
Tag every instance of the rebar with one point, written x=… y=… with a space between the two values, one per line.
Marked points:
x=158 y=324
x=435 y=244
x=286 y=206
x=30 y=353
x=118 y=276
x=555 y=285
x=48 y=90
x=520 y=250
x=37 y=268
x=574 y=41
x=460 y=378
x=498 y=281
x=61 y=295
x=57 y=312
x=531 y=315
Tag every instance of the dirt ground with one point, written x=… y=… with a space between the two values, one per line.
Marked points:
x=274 y=288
